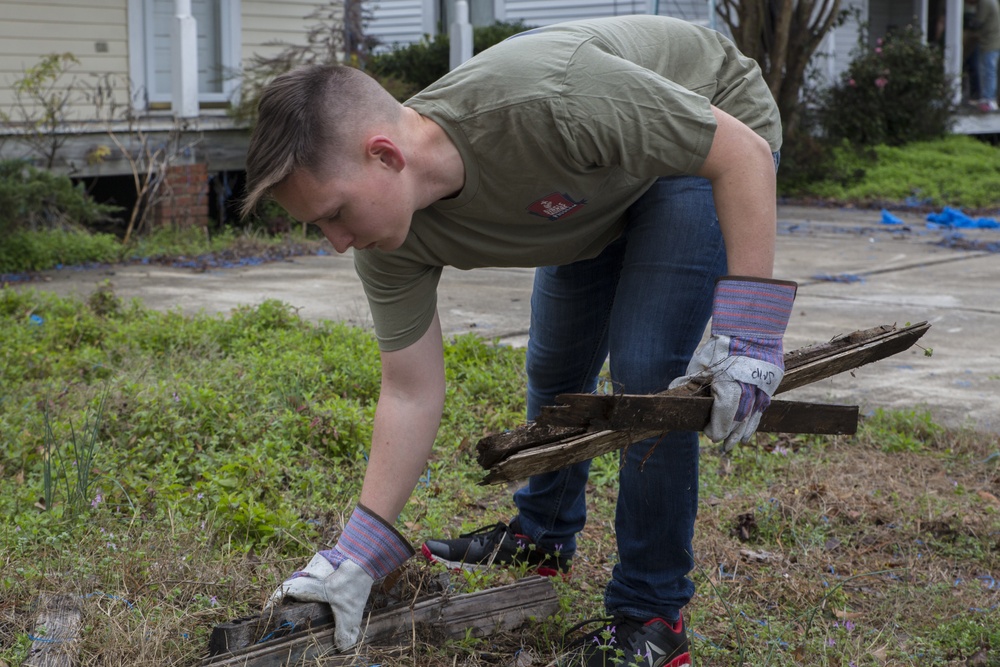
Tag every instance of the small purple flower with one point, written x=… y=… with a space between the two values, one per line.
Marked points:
x=831 y=641
x=200 y=496
x=848 y=625
x=98 y=499
x=214 y=601
x=177 y=399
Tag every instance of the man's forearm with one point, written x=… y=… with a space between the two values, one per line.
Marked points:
x=741 y=169
x=406 y=423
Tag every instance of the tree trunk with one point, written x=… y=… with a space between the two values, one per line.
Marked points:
x=782 y=36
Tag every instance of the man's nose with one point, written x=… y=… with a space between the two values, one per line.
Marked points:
x=339 y=239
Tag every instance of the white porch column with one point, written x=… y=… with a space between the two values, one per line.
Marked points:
x=460 y=35
x=953 y=55
x=184 y=59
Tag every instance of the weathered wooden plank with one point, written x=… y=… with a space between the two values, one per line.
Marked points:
x=846 y=353
x=613 y=422
x=285 y=619
x=788 y=417
x=842 y=353
x=441 y=616
x=690 y=413
x=641 y=423
x=55 y=639
x=495 y=447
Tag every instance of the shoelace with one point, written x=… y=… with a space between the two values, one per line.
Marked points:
x=487 y=533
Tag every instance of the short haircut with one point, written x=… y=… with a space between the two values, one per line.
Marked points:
x=307 y=119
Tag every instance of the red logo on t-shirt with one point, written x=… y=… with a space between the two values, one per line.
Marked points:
x=555 y=206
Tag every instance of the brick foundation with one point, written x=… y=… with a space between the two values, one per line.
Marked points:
x=184 y=197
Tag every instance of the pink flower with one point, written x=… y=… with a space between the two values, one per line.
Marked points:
x=881 y=82
x=851 y=83
x=878 y=49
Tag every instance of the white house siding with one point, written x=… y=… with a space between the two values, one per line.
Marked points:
x=94 y=31
x=400 y=21
x=538 y=14
x=695 y=11
x=269 y=26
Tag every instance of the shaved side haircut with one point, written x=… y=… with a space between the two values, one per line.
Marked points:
x=310 y=118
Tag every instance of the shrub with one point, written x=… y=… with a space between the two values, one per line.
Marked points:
x=23 y=251
x=35 y=199
x=892 y=93
x=425 y=62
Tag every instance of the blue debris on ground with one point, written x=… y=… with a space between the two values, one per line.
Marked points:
x=231 y=258
x=839 y=277
x=957 y=241
x=947 y=218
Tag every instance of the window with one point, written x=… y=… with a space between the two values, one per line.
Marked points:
x=150 y=49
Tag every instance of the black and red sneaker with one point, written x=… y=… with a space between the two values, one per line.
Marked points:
x=498 y=545
x=626 y=642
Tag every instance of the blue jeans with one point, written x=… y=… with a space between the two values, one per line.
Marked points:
x=645 y=301
x=987 y=62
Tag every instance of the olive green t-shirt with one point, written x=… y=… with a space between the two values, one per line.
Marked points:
x=560 y=130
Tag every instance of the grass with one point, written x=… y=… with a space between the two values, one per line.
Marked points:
x=221 y=452
x=24 y=252
x=955 y=171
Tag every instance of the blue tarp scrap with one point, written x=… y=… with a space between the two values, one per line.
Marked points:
x=952 y=218
x=890 y=219
x=948 y=218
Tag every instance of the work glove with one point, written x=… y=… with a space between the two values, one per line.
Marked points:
x=743 y=360
x=368 y=549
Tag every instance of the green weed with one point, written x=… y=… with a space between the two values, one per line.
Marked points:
x=229 y=449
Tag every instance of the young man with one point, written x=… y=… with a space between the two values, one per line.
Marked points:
x=633 y=160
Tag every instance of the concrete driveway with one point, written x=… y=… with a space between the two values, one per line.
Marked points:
x=853 y=273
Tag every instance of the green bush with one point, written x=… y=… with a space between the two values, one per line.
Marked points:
x=892 y=93
x=23 y=251
x=35 y=199
x=425 y=62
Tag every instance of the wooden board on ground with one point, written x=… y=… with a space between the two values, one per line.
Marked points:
x=438 y=617
x=55 y=639
x=586 y=425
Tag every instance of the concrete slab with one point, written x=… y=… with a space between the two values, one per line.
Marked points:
x=853 y=271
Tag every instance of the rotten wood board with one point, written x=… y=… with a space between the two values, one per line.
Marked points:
x=435 y=617
x=802 y=366
x=402 y=585
x=848 y=352
x=55 y=639
x=509 y=456
x=803 y=418
x=659 y=414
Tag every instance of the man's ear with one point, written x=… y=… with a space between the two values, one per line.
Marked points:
x=386 y=151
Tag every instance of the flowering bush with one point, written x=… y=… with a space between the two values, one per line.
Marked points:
x=892 y=93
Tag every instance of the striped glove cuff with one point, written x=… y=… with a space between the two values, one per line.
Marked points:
x=753 y=308
x=372 y=543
